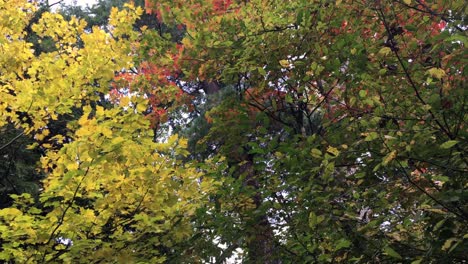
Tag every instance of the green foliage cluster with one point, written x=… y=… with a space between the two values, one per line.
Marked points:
x=17 y=166
x=94 y=15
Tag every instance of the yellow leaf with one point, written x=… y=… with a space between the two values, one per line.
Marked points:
x=385 y=51
x=141 y=107
x=72 y=166
x=408 y=2
x=436 y=73
x=117 y=140
x=124 y=101
x=391 y=156
x=448 y=243
x=284 y=63
x=99 y=110
x=333 y=150
x=10 y=213
x=107 y=132
x=39 y=137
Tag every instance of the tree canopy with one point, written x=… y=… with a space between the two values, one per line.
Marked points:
x=262 y=131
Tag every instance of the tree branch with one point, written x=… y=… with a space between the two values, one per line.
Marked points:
x=11 y=141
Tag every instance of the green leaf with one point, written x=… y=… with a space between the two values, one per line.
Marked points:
x=362 y=93
x=391 y=252
x=359 y=175
x=371 y=136
x=261 y=71
x=439 y=224
x=342 y=243
x=448 y=144
x=316 y=153
x=457 y=37
x=411 y=28
x=312 y=220
x=385 y=51
x=299 y=17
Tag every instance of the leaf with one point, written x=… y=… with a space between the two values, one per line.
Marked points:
x=436 y=210
x=141 y=107
x=362 y=93
x=439 y=225
x=440 y=178
x=10 y=212
x=390 y=156
x=457 y=37
x=312 y=220
x=334 y=151
x=360 y=175
x=436 y=73
x=371 y=136
x=448 y=144
x=261 y=71
x=316 y=153
x=117 y=140
x=391 y=252
x=342 y=243
x=385 y=51
x=299 y=17
x=124 y=101
x=448 y=243
x=411 y=27
x=284 y=63
x=408 y=2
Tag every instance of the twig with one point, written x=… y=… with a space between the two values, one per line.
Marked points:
x=11 y=141
x=62 y=217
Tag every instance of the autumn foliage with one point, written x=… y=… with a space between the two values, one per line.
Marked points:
x=260 y=131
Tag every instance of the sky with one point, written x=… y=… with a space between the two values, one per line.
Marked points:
x=78 y=2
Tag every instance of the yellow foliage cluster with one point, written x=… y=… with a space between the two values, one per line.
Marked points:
x=111 y=192
x=52 y=83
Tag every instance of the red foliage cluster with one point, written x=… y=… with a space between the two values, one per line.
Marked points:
x=437 y=27
x=221 y=6
x=150 y=7
x=156 y=81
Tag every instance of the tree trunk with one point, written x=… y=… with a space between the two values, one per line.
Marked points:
x=260 y=238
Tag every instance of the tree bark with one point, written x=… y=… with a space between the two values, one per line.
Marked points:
x=260 y=237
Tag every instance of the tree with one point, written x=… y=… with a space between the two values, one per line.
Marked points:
x=94 y=15
x=346 y=133
x=319 y=132
x=110 y=193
